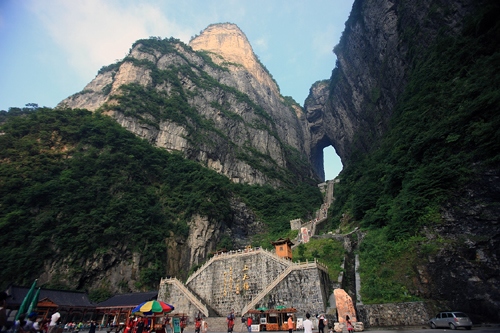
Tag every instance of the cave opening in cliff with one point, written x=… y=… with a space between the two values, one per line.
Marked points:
x=331 y=162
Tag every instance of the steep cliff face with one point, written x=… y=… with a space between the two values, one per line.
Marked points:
x=230 y=115
x=213 y=102
x=380 y=44
x=383 y=43
x=465 y=271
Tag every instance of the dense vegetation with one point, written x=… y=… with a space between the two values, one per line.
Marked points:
x=445 y=130
x=74 y=184
x=328 y=251
x=167 y=98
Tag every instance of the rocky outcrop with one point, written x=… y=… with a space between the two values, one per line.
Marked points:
x=378 y=48
x=381 y=44
x=469 y=258
x=215 y=103
x=229 y=45
x=241 y=128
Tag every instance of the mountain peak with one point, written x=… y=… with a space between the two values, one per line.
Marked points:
x=227 y=41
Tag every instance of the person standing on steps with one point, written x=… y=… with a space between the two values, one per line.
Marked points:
x=307 y=324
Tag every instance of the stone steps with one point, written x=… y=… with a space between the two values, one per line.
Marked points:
x=217 y=324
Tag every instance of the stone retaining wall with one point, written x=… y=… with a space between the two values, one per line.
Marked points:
x=231 y=282
x=305 y=290
x=395 y=314
x=172 y=293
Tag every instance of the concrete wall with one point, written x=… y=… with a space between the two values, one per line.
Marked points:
x=295 y=224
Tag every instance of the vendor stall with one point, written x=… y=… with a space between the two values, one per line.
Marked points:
x=272 y=319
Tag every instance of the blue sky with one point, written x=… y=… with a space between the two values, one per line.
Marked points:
x=50 y=49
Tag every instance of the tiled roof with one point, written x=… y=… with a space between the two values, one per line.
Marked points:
x=59 y=297
x=128 y=300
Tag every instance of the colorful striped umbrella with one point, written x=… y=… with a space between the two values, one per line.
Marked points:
x=151 y=307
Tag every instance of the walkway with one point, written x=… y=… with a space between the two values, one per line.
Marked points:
x=320 y=215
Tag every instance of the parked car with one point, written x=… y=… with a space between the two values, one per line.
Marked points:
x=451 y=319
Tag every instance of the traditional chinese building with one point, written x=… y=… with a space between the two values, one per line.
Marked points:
x=75 y=306
x=72 y=305
x=117 y=309
x=283 y=248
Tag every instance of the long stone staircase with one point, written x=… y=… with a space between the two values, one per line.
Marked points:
x=186 y=292
x=320 y=215
x=291 y=267
x=207 y=311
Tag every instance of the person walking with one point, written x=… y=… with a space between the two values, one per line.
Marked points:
x=183 y=323
x=321 y=324
x=307 y=324
x=249 y=323
x=197 y=323
x=168 y=326
x=54 y=319
x=350 y=328
x=243 y=323
x=290 y=323
x=93 y=327
x=230 y=321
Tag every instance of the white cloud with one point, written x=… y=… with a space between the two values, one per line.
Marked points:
x=261 y=43
x=94 y=33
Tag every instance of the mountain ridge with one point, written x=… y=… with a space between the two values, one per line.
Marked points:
x=410 y=108
x=262 y=121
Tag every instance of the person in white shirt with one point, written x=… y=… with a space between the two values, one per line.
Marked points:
x=307 y=324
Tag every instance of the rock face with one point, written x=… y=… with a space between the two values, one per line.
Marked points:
x=216 y=104
x=374 y=59
x=379 y=47
x=471 y=222
x=231 y=44
x=345 y=306
x=241 y=126
x=234 y=120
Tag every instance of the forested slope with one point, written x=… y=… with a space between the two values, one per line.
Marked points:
x=427 y=194
x=81 y=196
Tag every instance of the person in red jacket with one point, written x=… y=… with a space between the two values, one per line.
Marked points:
x=249 y=323
x=230 y=321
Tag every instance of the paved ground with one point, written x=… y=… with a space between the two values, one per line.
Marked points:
x=491 y=328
